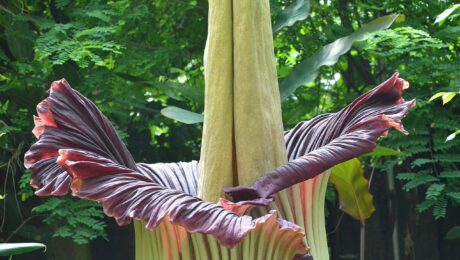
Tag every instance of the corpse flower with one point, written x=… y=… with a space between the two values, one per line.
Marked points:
x=78 y=150
x=277 y=185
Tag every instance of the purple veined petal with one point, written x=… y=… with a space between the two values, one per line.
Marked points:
x=78 y=149
x=66 y=119
x=126 y=195
x=326 y=140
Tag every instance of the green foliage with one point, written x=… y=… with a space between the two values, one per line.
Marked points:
x=78 y=42
x=353 y=189
x=182 y=115
x=431 y=161
x=25 y=190
x=446 y=13
x=450 y=174
x=307 y=70
x=446 y=96
x=383 y=151
x=415 y=179
x=297 y=11
x=401 y=40
x=454 y=233
x=135 y=58
x=9 y=249
x=80 y=220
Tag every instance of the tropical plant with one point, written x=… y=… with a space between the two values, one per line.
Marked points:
x=79 y=150
x=74 y=135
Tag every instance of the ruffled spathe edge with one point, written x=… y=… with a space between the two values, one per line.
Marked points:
x=326 y=140
x=78 y=149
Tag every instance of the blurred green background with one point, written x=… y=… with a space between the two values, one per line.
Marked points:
x=134 y=58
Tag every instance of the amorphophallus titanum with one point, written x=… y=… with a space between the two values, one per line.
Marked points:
x=243 y=146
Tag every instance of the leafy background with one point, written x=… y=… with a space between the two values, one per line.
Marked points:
x=134 y=58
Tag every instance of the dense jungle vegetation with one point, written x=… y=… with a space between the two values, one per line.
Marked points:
x=134 y=58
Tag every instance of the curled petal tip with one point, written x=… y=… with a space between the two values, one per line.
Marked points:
x=249 y=193
x=242 y=207
x=44 y=119
x=39 y=127
x=239 y=209
x=62 y=124
x=62 y=158
x=393 y=79
x=405 y=84
x=58 y=85
x=394 y=124
x=401 y=84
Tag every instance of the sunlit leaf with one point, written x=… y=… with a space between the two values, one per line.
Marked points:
x=451 y=136
x=437 y=95
x=446 y=98
x=443 y=16
x=182 y=115
x=355 y=198
x=299 y=10
x=384 y=151
x=8 y=249
x=307 y=70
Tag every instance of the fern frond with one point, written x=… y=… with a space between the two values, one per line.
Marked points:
x=415 y=179
x=450 y=174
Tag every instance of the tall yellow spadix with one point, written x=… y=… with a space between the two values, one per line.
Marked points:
x=243 y=131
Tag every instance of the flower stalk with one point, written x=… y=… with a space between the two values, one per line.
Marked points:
x=243 y=130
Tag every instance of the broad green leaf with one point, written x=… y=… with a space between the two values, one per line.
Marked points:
x=443 y=16
x=354 y=196
x=3 y=77
x=182 y=115
x=437 y=95
x=2 y=197
x=299 y=10
x=384 y=151
x=307 y=70
x=446 y=98
x=453 y=233
x=8 y=249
